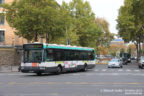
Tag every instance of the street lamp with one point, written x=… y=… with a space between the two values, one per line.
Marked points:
x=68 y=40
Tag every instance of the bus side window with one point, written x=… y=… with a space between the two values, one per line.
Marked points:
x=76 y=55
x=86 y=57
x=58 y=55
x=67 y=54
x=72 y=55
x=49 y=55
x=82 y=55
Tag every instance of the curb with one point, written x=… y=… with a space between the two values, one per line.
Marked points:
x=8 y=69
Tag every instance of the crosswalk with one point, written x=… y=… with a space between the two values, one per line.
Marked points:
x=118 y=70
x=111 y=72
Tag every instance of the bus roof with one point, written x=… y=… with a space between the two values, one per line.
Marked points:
x=56 y=46
x=66 y=47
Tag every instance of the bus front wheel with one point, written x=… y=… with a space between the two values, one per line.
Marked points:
x=59 y=70
x=85 y=68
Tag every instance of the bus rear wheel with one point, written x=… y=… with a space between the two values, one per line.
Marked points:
x=39 y=74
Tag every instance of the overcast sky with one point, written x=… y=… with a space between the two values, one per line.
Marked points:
x=107 y=9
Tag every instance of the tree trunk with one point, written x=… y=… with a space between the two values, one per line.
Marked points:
x=139 y=46
x=36 y=37
x=137 y=50
x=142 y=48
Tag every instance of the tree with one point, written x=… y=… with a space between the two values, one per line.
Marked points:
x=35 y=18
x=132 y=49
x=56 y=23
x=130 y=22
x=105 y=36
x=84 y=21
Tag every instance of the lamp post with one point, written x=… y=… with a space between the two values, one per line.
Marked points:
x=68 y=40
x=12 y=49
x=13 y=42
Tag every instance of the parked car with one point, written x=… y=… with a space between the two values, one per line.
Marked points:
x=115 y=63
x=141 y=62
x=125 y=57
x=133 y=58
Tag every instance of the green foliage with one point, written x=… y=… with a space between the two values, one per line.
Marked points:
x=105 y=37
x=84 y=25
x=34 y=18
x=130 y=20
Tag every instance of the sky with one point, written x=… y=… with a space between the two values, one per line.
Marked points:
x=107 y=9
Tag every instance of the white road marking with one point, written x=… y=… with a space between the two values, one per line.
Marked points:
x=137 y=70
x=96 y=70
x=104 y=69
x=128 y=70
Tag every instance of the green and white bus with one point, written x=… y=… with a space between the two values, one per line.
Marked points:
x=46 y=58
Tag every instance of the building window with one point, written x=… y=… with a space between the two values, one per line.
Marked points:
x=2 y=19
x=2 y=35
x=1 y=1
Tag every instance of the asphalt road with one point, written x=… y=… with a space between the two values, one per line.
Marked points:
x=101 y=81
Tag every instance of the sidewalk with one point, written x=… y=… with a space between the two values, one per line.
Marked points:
x=102 y=62
x=8 y=69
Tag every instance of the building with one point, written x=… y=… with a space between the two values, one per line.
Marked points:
x=7 y=34
x=10 y=44
x=117 y=45
x=118 y=41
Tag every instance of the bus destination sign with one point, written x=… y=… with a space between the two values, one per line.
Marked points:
x=32 y=46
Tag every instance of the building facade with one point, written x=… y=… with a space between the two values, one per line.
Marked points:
x=10 y=44
x=7 y=33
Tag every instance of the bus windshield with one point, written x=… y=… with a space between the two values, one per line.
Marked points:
x=32 y=56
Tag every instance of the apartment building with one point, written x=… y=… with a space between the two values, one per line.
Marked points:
x=7 y=33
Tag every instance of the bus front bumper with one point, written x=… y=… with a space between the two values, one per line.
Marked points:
x=37 y=69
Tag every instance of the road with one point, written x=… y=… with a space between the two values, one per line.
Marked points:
x=101 y=81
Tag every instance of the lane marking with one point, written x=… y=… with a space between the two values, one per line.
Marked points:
x=128 y=70
x=34 y=83
x=104 y=69
x=51 y=83
x=1 y=83
x=75 y=83
x=137 y=70
x=96 y=70
x=83 y=83
x=68 y=82
x=11 y=83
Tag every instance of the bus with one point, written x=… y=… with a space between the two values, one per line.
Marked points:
x=52 y=58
